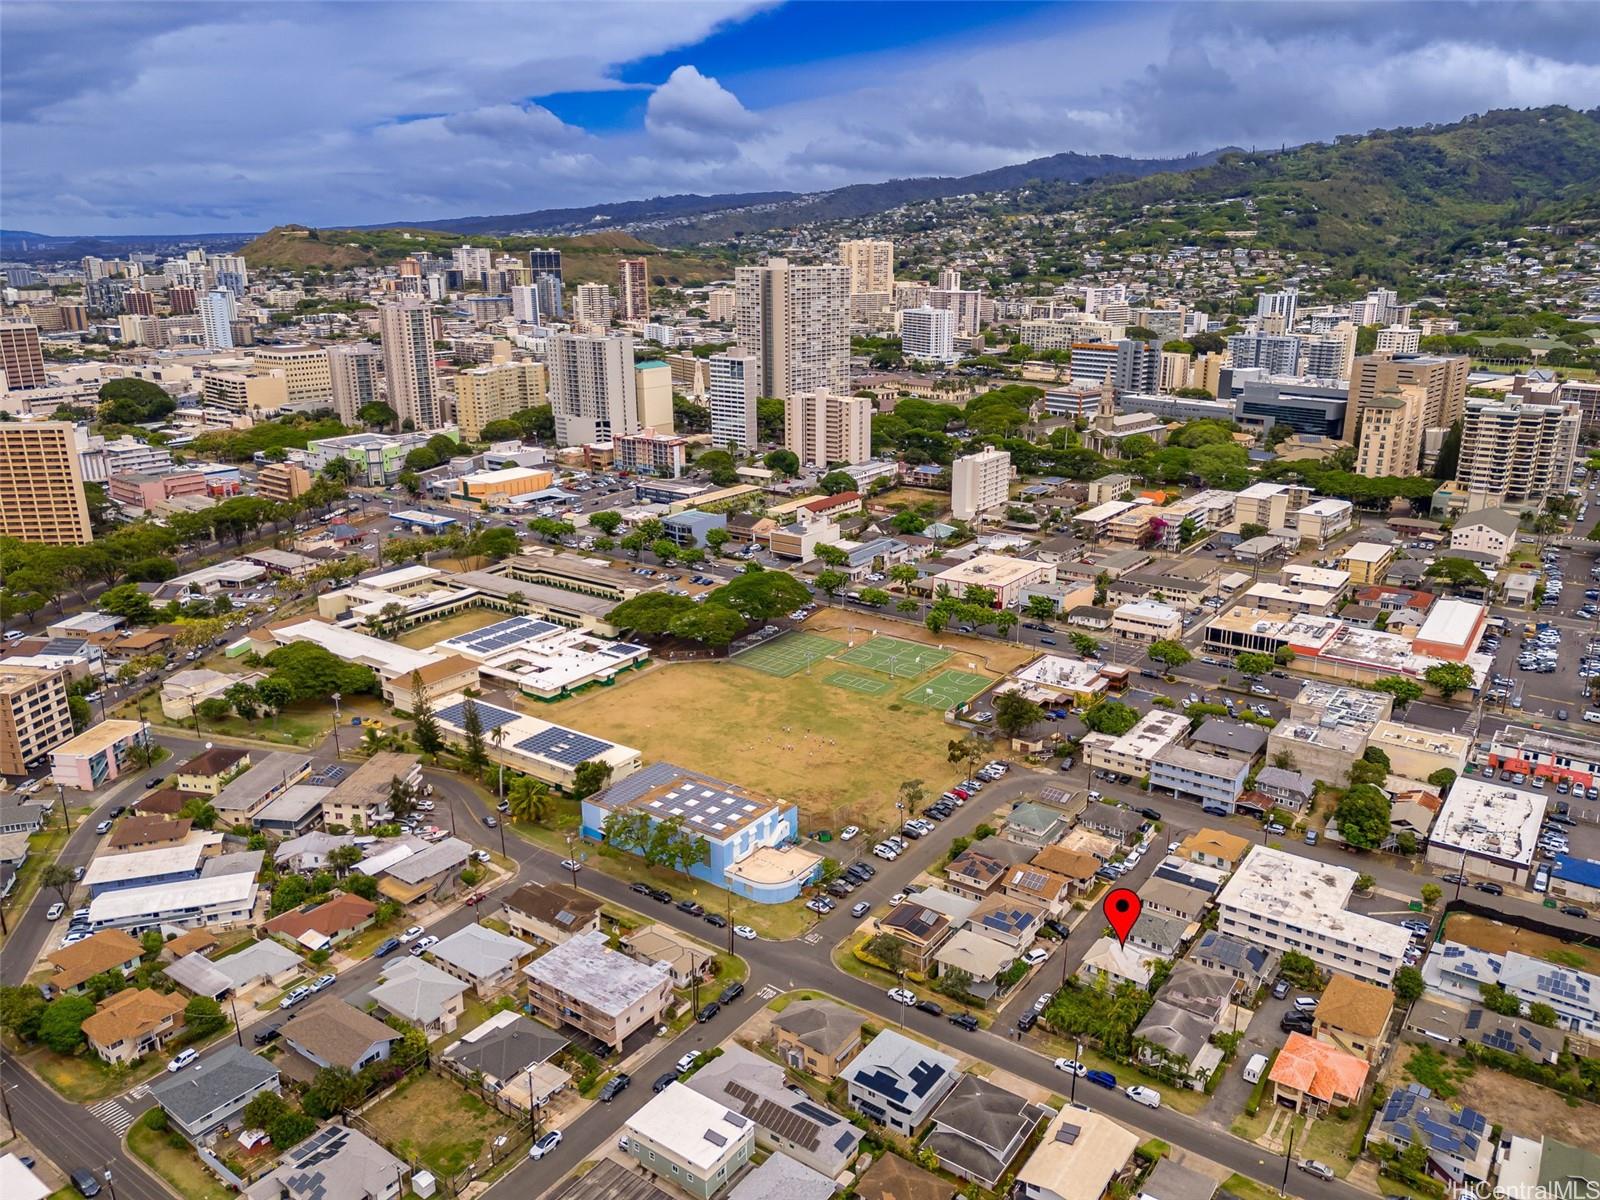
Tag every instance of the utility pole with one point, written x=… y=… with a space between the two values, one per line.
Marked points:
x=336 y=697
x=66 y=817
x=1288 y=1157
x=1073 y=1097
x=238 y=1032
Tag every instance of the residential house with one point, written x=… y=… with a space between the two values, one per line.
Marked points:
x=1216 y=847
x=1452 y=969
x=1116 y=962
x=336 y=1161
x=133 y=1023
x=1036 y=825
x=1121 y=824
x=429 y=872
x=511 y=1056
x=818 y=1037
x=21 y=814
x=483 y=958
x=210 y=770
x=1459 y=1142
x=1173 y=899
x=1076 y=867
x=1173 y=1039
x=326 y=924
x=1012 y=922
x=898 y=1082
x=1511 y=1035
x=974 y=873
x=586 y=984
x=421 y=993
x=1311 y=1076
x=309 y=852
x=1033 y=885
x=982 y=958
x=147 y=833
x=1236 y=741
x=1080 y=1155
x=661 y=946
x=1169 y=1181
x=1252 y=965
x=551 y=912
x=1353 y=1016
x=75 y=965
x=783 y=1178
x=1489 y=531
x=1160 y=934
x=1293 y=790
x=195 y=941
x=786 y=1121
x=921 y=931
x=690 y=1140
x=327 y=1032
x=1200 y=989
x=980 y=1127
x=200 y=1103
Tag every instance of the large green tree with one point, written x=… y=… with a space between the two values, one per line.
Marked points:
x=1363 y=816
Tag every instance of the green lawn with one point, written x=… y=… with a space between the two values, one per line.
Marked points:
x=84 y=1078
x=169 y=1156
x=1184 y=1100
x=43 y=847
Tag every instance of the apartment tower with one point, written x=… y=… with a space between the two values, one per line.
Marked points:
x=593 y=391
x=353 y=379
x=979 y=482
x=21 y=357
x=1517 y=453
x=41 y=484
x=485 y=394
x=1389 y=440
x=633 y=289
x=34 y=716
x=825 y=429
x=870 y=263
x=732 y=395
x=217 y=311
x=407 y=328
x=1443 y=377
x=796 y=321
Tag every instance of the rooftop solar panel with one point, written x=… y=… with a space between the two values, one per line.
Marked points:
x=565 y=746
x=489 y=716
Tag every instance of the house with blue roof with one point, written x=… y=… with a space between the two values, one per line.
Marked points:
x=1459 y=1142
x=898 y=1082
x=750 y=840
x=1575 y=879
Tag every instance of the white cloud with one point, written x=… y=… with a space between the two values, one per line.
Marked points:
x=201 y=117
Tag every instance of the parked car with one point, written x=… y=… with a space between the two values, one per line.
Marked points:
x=1103 y=1079
x=860 y=909
x=731 y=993
x=1317 y=1170
x=424 y=944
x=707 y=1011
x=53 y=913
x=1072 y=1067
x=269 y=1034
x=545 y=1144
x=689 y=1060
x=666 y=1080
x=966 y=1020
x=1035 y=956
x=1027 y=1020
x=745 y=932
x=715 y=920
x=900 y=995
x=322 y=981
x=183 y=1058
x=615 y=1086
x=85 y=1182
x=1147 y=1096
x=295 y=997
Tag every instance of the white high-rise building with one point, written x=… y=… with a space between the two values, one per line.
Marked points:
x=732 y=397
x=796 y=321
x=1096 y=299
x=979 y=482
x=353 y=376
x=474 y=262
x=217 y=312
x=407 y=329
x=594 y=304
x=825 y=429
x=1518 y=453
x=593 y=393
x=525 y=303
x=1279 y=304
x=928 y=334
x=870 y=263
x=1397 y=339
x=964 y=305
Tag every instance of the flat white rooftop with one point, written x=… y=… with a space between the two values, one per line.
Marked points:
x=142 y=864
x=387 y=658
x=1452 y=623
x=190 y=895
x=694 y=1127
x=1493 y=820
x=402 y=577
x=1305 y=894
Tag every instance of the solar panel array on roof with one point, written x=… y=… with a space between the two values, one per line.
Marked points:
x=621 y=649
x=565 y=746
x=736 y=1120
x=490 y=716
x=1068 y=1134
x=503 y=634
x=1053 y=795
x=328 y=775
x=712 y=809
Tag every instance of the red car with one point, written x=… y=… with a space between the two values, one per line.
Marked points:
x=477 y=897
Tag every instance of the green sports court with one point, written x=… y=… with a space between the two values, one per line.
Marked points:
x=788 y=654
x=893 y=656
x=855 y=681
x=947 y=689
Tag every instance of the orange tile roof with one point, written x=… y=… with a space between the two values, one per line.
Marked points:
x=338 y=915
x=130 y=1013
x=1355 y=1006
x=96 y=953
x=1318 y=1069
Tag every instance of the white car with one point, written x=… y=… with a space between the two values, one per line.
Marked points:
x=745 y=932
x=1072 y=1067
x=183 y=1058
x=848 y=832
x=688 y=1060
x=571 y=864
x=425 y=944
x=897 y=898
x=902 y=995
x=1043 y=1002
x=545 y=1144
x=1146 y=1096
x=414 y=932
x=53 y=913
x=1035 y=956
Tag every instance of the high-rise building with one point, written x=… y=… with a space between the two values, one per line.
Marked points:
x=525 y=303
x=353 y=379
x=93 y=268
x=217 y=311
x=594 y=304
x=796 y=321
x=928 y=335
x=1096 y=299
x=1331 y=355
x=486 y=394
x=229 y=271
x=1131 y=365
x=35 y=717
x=593 y=391
x=1389 y=438
x=732 y=396
x=1444 y=377
x=182 y=299
x=870 y=263
x=545 y=262
x=653 y=452
x=21 y=356
x=1381 y=307
x=1398 y=339
x=41 y=484
x=825 y=429
x=910 y=293
x=1277 y=354
x=965 y=305
x=474 y=262
x=1279 y=304
x=407 y=329
x=979 y=482
x=719 y=305
x=139 y=303
x=552 y=307
x=652 y=391
x=282 y=482
x=307 y=373
x=633 y=289
x=1516 y=453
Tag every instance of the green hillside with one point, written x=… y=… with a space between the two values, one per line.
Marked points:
x=1384 y=204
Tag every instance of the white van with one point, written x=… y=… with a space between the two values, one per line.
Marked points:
x=1590 y=714
x=1305 y=1003
x=1253 y=1068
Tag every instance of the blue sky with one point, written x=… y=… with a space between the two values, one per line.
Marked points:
x=199 y=116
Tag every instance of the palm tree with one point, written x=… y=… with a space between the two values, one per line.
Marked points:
x=530 y=800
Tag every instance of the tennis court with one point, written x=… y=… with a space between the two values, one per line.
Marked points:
x=787 y=654
x=854 y=681
x=947 y=689
x=892 y=656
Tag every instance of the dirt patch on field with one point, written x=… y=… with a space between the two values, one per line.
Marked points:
x=1530 y=1110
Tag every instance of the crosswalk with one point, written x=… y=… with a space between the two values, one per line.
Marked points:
x=115 y=1114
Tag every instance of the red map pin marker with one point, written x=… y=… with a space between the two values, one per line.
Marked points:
x=1121 y=908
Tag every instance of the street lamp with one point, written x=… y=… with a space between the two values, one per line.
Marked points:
x=111 y=1186
x=1077 y=1061
x=336 y=697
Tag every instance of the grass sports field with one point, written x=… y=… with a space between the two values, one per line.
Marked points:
x=837 y=740
x=892 y=656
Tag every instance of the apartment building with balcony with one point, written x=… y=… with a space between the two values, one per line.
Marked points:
x=585 y=984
